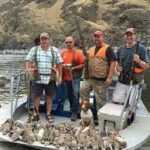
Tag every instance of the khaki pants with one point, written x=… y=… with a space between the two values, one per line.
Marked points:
x=99 y=89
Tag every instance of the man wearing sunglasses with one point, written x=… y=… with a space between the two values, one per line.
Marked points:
x=72 y=71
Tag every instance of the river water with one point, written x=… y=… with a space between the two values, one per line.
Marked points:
x=12 y=64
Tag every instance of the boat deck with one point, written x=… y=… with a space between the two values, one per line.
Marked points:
x=135 y=135
x=139 y=131
x=5 y=109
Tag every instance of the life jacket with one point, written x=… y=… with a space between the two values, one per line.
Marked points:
x=138 y=70
x=98 y=64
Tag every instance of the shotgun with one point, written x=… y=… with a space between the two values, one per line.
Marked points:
x=133 y=63
x=29 y=89
x=82 y=43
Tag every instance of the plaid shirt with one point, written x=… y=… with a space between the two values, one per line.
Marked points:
x=44 y=61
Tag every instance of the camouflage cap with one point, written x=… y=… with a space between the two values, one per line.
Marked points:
x=44 y=34
x=130 y=30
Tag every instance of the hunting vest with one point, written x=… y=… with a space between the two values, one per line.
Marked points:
x=98 y=64
x=138 y=70
x=36 y=74
x=78 y=72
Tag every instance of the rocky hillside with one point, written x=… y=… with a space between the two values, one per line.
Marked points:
x=22 y=20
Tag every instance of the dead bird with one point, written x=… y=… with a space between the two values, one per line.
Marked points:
x=6 y=128
x=64 y=135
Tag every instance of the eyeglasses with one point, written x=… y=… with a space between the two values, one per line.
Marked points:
x=69 y=42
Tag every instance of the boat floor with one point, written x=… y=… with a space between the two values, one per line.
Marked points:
x=135 y=135
x=5 y=109
x=57 y=119
x=139 y=131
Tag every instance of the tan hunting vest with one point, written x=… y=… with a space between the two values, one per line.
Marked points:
x=98 y=64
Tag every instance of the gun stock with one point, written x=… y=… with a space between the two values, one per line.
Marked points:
x=80 y=37
x=82 y=43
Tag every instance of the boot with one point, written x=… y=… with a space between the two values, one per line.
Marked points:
x=73 y=117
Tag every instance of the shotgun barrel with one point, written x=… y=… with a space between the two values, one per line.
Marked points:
x=83 y=48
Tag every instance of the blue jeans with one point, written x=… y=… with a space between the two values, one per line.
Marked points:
x=72 y=89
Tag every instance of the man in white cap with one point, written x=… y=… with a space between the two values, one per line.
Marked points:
x=132 y=62
x=101 y=66
x=41 y=60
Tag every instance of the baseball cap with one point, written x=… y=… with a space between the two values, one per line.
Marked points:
x=131 y=30
x=100 y=33
x=44 y=34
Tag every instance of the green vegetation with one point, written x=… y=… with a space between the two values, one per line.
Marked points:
x=23 y=20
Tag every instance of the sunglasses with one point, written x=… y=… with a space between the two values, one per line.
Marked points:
x=69 y=42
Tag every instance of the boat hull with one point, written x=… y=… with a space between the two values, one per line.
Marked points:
x=136 y=134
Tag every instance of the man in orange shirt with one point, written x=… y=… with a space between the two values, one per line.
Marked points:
x=72 y=71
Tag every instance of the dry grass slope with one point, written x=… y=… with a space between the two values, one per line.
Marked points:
x=38 y=15
x=49 y=16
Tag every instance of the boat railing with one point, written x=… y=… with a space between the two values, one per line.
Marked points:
x=17 y=87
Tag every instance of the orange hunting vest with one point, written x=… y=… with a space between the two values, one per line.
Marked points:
x=98 y=64
x=138 y=70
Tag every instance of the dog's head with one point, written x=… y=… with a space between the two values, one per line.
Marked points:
x=85 y=105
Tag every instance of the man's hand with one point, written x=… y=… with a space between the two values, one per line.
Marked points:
x=136 y=58
x=108 y=81
x=73 y=68
x=143 y=64
x=64 y=66
x=30 y=71
x=119 y=68
x=59 y=81
x=27 y=74
x=67 y=66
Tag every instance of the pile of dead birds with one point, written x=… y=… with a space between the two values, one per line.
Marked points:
x=63 y=135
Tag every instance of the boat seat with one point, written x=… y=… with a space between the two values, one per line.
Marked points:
x=114 y=116
x=109 y=116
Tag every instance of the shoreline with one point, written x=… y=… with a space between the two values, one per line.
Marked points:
x=14 y=51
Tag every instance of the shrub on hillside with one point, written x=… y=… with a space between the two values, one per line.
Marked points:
x=111 y=2
x=110 y=15
x=138 y=18
x=126 y=6
x=13 y=18
x=87 y=11
x=114 y=35
x=45 y=3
